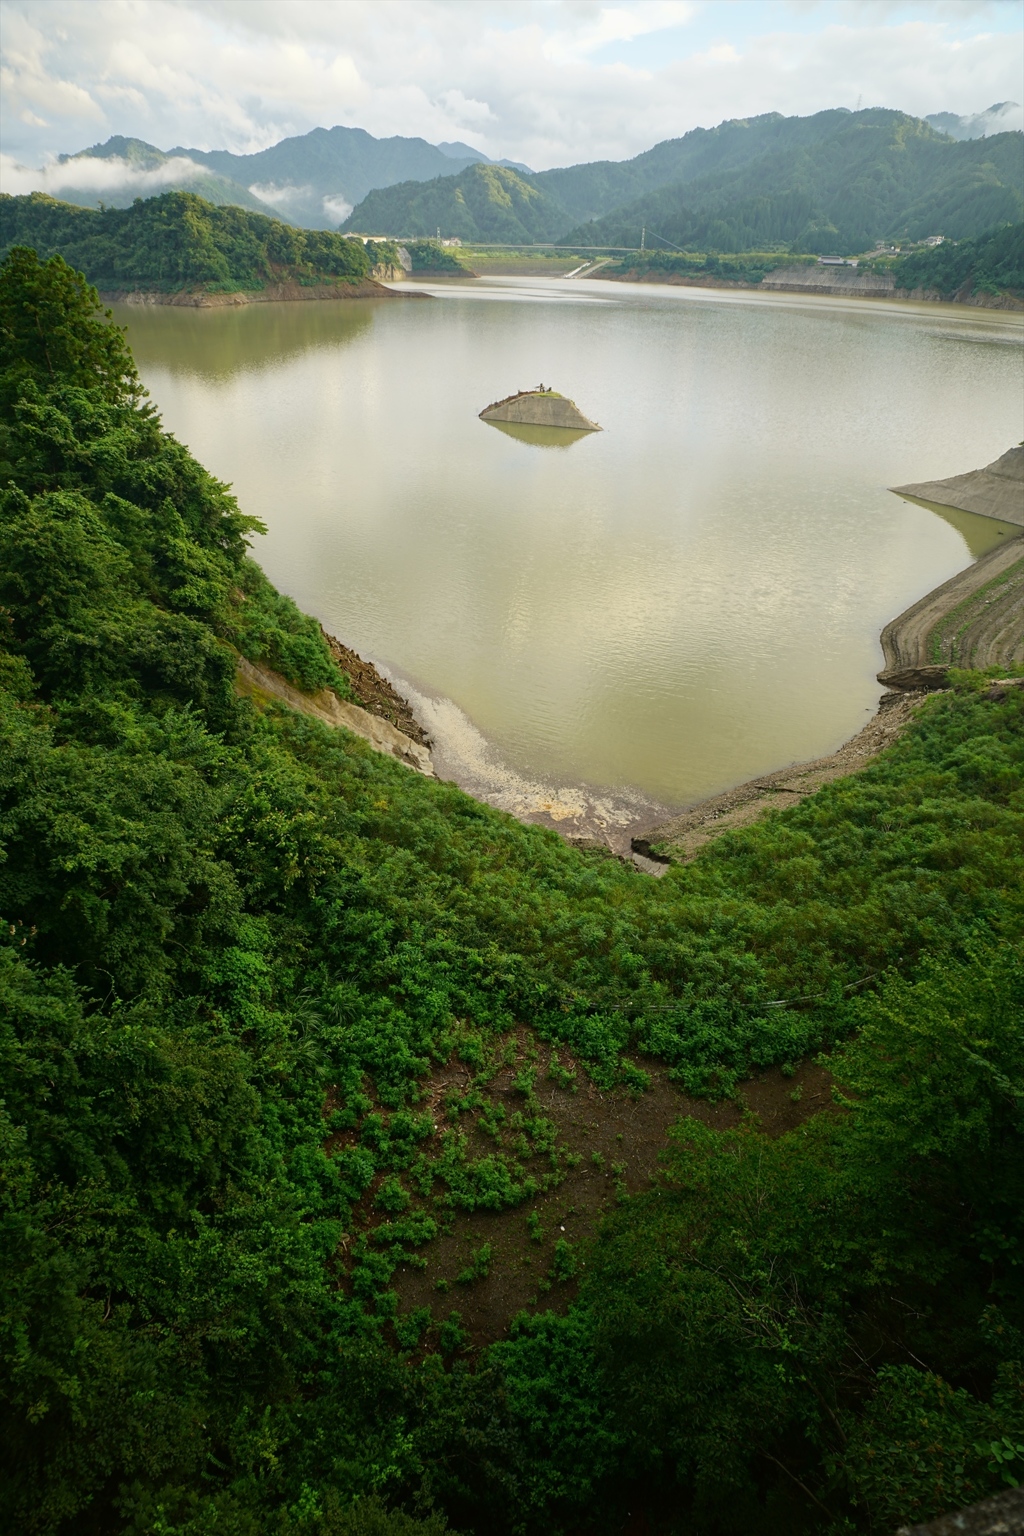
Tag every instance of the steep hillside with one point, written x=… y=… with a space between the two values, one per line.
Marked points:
x=874 y=175
x=178 y=241
x=286 y=1027
x=484 y=203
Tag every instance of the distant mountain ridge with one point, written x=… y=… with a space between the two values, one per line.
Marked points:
x=831 y=183
x=312 y=180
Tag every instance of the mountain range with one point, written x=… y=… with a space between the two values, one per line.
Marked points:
x=831 y=182
x=312 y=180
x=834 y=182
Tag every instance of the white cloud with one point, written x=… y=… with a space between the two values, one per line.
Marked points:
x=546 y=81
x=113 y=176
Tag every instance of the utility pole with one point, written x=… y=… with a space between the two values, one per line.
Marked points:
x=643 y=237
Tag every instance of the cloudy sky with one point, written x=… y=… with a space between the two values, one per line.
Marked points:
x=550 y=82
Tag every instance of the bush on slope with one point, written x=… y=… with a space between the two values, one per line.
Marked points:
x=230 y=936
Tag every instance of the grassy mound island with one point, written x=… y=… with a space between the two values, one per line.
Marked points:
x=179 y=245
x=327 y=1091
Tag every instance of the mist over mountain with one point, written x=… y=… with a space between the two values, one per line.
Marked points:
x=1001 y=117
x=312 y=180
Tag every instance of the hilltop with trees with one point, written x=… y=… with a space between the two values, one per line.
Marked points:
x=178 y=241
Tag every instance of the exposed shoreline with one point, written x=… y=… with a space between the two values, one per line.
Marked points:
x=826 y=283
x=272 y=293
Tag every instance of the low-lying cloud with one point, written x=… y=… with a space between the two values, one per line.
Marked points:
x=110 y=176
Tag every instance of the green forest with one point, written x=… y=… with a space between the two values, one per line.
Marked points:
x=239 y=948
x=994 y=263
x=834 y=183
x=179 y=241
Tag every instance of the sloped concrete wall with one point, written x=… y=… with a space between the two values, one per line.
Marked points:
x=540 y=411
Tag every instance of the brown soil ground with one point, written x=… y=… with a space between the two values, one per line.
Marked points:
x=608 y=1144
x=375 y=693
x=682 y=837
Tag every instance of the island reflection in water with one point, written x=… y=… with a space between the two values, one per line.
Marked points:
x=690 y=599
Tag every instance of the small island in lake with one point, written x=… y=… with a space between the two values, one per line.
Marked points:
x=540 y=407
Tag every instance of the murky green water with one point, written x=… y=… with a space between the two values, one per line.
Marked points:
x=652 y=613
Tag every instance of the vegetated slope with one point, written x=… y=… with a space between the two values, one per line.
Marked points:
x=138 y=156
x=236 y=943
x=590 y=191
x=179 y=241
x=483 y=203
x=993 y=263
x=874 y=175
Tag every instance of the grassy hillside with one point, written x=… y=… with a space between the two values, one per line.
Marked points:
x=874 y=175
x=484 y=202
x=179 y=241
x=237 y=949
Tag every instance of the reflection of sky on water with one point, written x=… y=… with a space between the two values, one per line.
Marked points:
x=688 y=598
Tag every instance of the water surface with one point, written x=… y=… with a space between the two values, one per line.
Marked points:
x=592 y=625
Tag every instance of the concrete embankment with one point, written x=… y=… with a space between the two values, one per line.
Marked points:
x=995 y=491
x=272 y=293
x=976 y=619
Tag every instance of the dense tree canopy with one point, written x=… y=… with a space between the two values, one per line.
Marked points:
x=235 y=942
x=179 y=241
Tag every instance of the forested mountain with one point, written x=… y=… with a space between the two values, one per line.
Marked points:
x=258 y=984
x=994 y=263
x=1001 y=117
x=140 y=156
x=179 y=241
x=875 y=175
x=484 y=202
x=836 y=181
x=312 y=179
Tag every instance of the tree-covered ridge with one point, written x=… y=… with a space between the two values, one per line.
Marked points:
x=483 y=202
x=179 y=241
x=234 y=946
x=835 y=182
x=994 y=263
x=875 y=175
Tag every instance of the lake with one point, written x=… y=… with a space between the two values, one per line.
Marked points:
x=596 y=628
